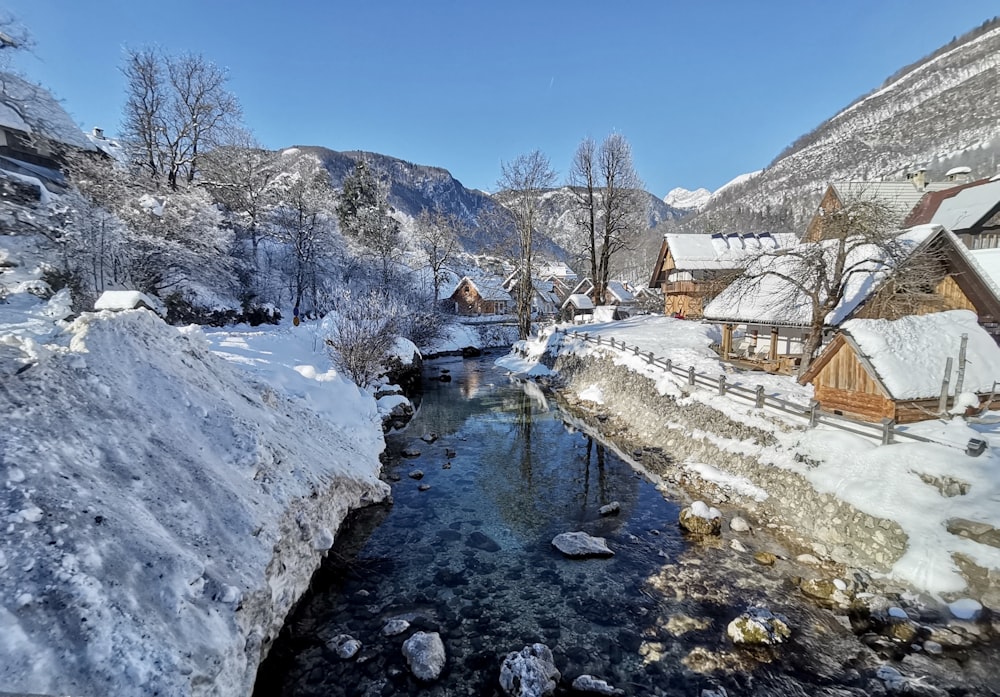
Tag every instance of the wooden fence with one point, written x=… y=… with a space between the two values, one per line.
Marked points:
x=885 y=431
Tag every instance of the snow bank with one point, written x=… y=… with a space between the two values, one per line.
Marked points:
x=456 y=337
x=164 y=511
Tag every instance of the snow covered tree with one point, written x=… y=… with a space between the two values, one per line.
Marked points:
x=438 y=234
x=611 y=205
x=303 y=221
x=522 y=181
x=176 y=108
x=360 y=335
x=365 y=216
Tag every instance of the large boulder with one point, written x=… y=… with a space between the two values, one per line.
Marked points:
x=700 y=519
x=530 y=672
x=580 y=544
x=759 y=626
x=424 y=653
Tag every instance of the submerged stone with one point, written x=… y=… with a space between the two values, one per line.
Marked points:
x=395 y=626
x=531 y=672
x=595 y=686
x=759 y=626
x=416 y=474
x=479 y=540
x=612 y=508
x=425 y=655
x=580 y=544
x=429 y=437
x=411 y=451
x=344 y=646
x=739 y=524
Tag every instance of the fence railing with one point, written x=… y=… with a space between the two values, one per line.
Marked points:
x=886 y=430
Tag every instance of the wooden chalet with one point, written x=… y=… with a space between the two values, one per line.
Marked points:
x=36 y=133
x=767 y=328
x=577 y=308
x=691 y=269
x=899 y=198
x=971 y=211
x=481 y=296
x=545 y=301
x=898 y=369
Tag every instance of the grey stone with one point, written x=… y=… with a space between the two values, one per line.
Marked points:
x=424 y=487
x=530 y=672
x=344 y=646
x=416 y=474
x=738 y=524
x=411 y=451
x=759 y=626
x=395 y=627
x=595 y=686
x=691 y=521
x=425 y=655
x=580 y=544
x=612 y=508
x=429 y=437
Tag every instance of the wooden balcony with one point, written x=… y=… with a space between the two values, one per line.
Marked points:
x=687 y=287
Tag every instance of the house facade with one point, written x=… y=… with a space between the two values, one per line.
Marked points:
x=907 y=369
x=691 y=269
x=481 y=296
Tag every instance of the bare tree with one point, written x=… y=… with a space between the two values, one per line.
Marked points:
x=859 y=240
x=521 y=184
x=611 y=205
x=175 y=108
x=361 y=335
x=438 y=234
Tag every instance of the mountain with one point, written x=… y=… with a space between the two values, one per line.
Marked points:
x=937 y=113
x=688 y=201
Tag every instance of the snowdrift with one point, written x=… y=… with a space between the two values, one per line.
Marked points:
x=163 y=512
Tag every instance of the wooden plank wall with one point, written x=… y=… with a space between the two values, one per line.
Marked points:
x=868 y=407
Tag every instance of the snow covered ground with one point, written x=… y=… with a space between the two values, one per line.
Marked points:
x=166 y=493
x=901 y=482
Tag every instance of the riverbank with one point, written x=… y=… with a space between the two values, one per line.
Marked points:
x=887 y=509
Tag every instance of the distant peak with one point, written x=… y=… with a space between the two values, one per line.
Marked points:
x=686 y=200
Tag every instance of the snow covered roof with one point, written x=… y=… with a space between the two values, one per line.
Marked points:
x=719 y=251
x=23 y=104
x=620 y=292
x=989 y=262
x=900 y=197
x=127 y=300
x=579 y=301
x=955 y=171
x=488 y=287
x=558 y=269
x=968 y=207
x=777 y=301
x=909 y=355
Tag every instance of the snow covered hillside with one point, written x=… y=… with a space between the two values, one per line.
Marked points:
x=938 y=113
x=164 y=506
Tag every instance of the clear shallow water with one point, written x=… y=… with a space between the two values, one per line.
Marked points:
x=471 y=558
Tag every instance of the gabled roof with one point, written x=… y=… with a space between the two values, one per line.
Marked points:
x=488 y=287
x=907 y=356
x=900 y=197
x=32 y=109
x=779 y=302
x=620 y=292
x=579 y=301
x=583 y=287
x=714 y=252
x=969 y=207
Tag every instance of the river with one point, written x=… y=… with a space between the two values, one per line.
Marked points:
x=471 y=557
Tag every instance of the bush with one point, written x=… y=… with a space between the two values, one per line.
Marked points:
x=360 y=336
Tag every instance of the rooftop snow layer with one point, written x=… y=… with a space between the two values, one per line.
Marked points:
x=910 y=354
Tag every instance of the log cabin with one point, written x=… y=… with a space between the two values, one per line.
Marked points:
x=767 y=327
x=691 y=269
x=878 y=369
x=481 y=296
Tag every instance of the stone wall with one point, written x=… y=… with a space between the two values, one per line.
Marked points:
x=636 y=416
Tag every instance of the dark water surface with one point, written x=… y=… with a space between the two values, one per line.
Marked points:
x=472 y=558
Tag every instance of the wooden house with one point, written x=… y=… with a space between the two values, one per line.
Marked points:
x=878 y=369
x=577 y=308
x=971 y=211
x=545 y=301
x=768 y=327
x=691 y=269
x=36 y=133
x=898 y=198
x=616 y=294
x=481 y=296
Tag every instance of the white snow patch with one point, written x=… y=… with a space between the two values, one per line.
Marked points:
x=593 y=394
x=731 y=482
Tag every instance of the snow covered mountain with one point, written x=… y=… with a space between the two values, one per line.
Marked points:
x=685 y=200
x=937 y=113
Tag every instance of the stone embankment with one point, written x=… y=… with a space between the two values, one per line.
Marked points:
x=665 y=433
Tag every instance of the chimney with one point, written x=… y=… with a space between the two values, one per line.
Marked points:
x=98 y=133
x=959 y=175
x=918 y=178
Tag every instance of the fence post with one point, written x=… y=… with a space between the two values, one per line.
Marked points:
x=598 y=339
x=722 y=385
x=887 y=430
x=636 y=349
x=586 y=336
x=759 y=402
x=813 y=413
x=691 y=375
x=649 y=357
x=669 y=366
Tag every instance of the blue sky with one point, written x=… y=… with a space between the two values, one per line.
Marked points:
x=703 y=91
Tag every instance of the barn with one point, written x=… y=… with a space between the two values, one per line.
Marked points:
x=878 y=369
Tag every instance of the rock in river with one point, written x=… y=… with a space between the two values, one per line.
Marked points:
x=424 y=653
x=611 y=509
x=479 y=540
x=595 y=686
x=759 y=626
x=700 y=519
x=346 y=647
x=580 y=544
x=529 y=673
